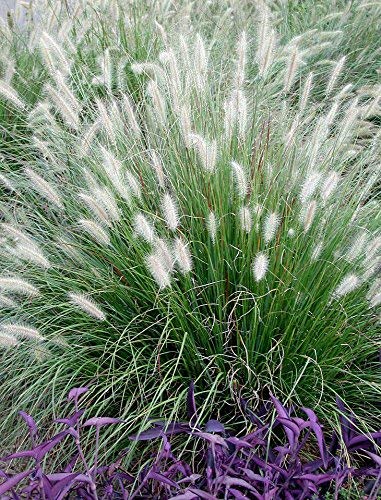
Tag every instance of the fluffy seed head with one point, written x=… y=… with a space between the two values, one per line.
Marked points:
x=18 y=286
x=260 y=266
x=7 y=302
x=335 y=74
x=158 y=168
x=43 y=187
x=347 y=285
x=164 y=253
x=170 y=211
x=87 y=305
x=144 y=228
x=240 y=179
x=22 y=331
x=329 y=185
x=309 y=186
x=212 y=225
x=11 y=95
x=246 y=219
x=31 y=253
x=7 y=340
x=309 y=214
x=270 y=226
x=375 y=300
x=317 y=251
x=158 y=270
x=95 y=231
x=182 y=255
x=207 y=151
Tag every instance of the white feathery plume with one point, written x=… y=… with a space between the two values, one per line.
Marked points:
x=95 y=231
x=106 y=199
x=200 y=62
x=7 y=301
x=182 y=255
x=240 y=179
x=260 y=266
x=170 y=211
x=185 y=124
x=173 y=79
x=317 y=251
x=43 y=187
x=266 y=43
x=7 y=340
x=164 y=252
x=88 y=137
x=87 y=305
x=241 y=60
x=130 y=114
x=306 y=92
x=343 y=92
x=357 y=247
x=144 y=228
x=158 y=168
x=291 y=69
x=149 y=68
x=207 y=151
x=113 y=169
x=291 y=232
x=212 y=225
x=31 y=253
x=98 y=211
x=309 y=186
x=158 y=101
x=53 y=54
x=329 y=185
x=65 y=101
x=270 y=226
x=373 y=248
x=7 y=183
x=335 y=74
x=21 y=331
x=347 y=285
x=230 y=118
x=18 y=285
x=105 y=78
x=158 y=270
x=11 y=95
x=375 y=300
x=104 y=119
x=291 y=132
x=245 y=219
x=309 y=214
x=133 y=184
x=17 y=234
x=349 y=120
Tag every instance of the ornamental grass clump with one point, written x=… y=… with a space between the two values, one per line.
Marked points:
x=189 y=214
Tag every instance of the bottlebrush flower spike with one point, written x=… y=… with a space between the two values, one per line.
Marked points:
x=182 y=255
x=7 y=302
x=347 y=285
x=329 y=185
x=241 y=60
x=260 y=266
x=164 y=253
x=335 y=74
x=170 y=211
x=22 y=331
x=240 y=179
x=43 y=187
x=309 y=186
x=87 y=305
x=212 y=225
x=270 y=226
x=317 y=251
x=7 y=340
x=18 y=285
x=158 y=270
x=291 y=69
x=95 y=231
x=158 y=101
x=309 y=214
x=306 y=93
x=246 y=219
x=11 y=95
x=32 y=254
x=144 y=228
x=207 y=151
x=158 y=168
x=375 y=300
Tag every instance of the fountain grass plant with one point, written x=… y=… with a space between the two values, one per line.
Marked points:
x=174 y=209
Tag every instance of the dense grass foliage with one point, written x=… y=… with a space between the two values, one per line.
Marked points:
x=181 y=202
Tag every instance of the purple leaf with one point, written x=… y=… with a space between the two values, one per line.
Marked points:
x=14 y=481
x=214 y=426
x=76 y=392
x=100 y=421
x=162 y=479
x=30 y=423
x=70 y=421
